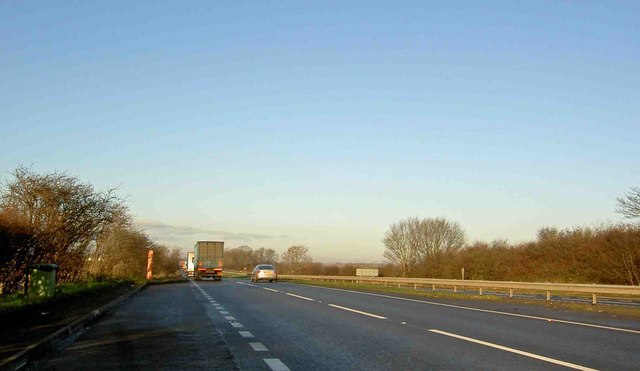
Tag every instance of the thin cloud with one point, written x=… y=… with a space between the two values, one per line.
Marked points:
x=168 y=232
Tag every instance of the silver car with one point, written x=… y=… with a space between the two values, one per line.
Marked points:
x=264 y=272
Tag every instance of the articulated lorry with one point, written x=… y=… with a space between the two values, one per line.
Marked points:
x=208 y=259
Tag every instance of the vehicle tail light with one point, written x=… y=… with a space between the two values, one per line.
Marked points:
x=257 y=272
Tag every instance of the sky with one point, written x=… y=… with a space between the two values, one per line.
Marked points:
x=271 y=124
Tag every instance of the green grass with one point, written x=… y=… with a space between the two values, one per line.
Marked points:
x=18 y=302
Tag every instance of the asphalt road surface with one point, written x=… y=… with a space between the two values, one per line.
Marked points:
x=280 y=326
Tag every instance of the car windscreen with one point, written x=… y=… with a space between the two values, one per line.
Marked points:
x=266 y=267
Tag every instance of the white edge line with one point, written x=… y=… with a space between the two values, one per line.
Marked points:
x=516 y=351
x=489 y=311
x=266 y=288
x=357 y=311
x=299 y=297
x=259 y=347
x=275 y=364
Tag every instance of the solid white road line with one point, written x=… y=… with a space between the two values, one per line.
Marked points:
x=276 y=364
x=246 y=284
x=259 y=347
x=299 y=297
x=358 y=311
x=488 y=311
x=266 y=288
x=516 y=351
x=245 y=334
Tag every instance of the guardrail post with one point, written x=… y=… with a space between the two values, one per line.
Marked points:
x=510 y=293
x=415 y=286
x=594 y=299
x=433 y=287
x=548 y=295
x=455 y=289
x=480 y=291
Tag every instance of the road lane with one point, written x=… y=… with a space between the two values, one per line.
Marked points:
x=163 y=327
x=602 y=347
x=280 y=326
x=408 y=341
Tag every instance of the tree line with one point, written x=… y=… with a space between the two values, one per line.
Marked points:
x=438 y=248
x=294 y=260
x=56 y=218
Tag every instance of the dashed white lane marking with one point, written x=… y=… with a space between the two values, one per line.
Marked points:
x=259 y=347
x=266 y=288
x=299 y=297
x=275 y=364
x=223 y=312
x=237 y=324
x=516 y=351
x=230 y=318
x=357 y=311
x=245 y=334
x=489 y=311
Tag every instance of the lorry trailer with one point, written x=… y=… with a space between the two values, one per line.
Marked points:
x=208 y=259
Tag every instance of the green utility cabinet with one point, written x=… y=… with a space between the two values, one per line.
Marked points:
x=42 y=280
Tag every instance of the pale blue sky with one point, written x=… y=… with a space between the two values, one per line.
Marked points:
x=275 y=123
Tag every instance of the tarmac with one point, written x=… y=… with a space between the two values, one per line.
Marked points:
x=49 y=343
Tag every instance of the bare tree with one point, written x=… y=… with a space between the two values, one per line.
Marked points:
x=296 y=257
x=120 y=251
x=401 y=245
x=438 y=235
x=64 y=215
x=263 y=255
x=416 y=241
x=629 y=205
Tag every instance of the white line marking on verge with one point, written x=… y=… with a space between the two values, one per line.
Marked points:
x=489 y=311
x=276 y=365
x=516 y=351
x=266 y=288
x=299 y=297
x=236 y=324
x=259 y=347
x=357 y=311
x=223 y=312
x=230 y=318
x=245 y=334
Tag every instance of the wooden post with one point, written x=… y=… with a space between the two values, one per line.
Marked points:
x=510 y=293
x=480 y=291
x=594 y=299
x=548 y=295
